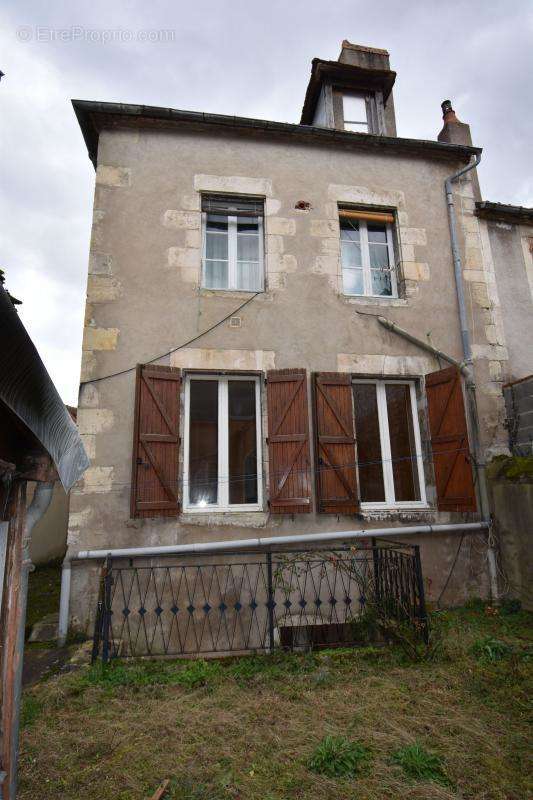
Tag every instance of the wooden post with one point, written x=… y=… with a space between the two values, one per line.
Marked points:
x=11 y=652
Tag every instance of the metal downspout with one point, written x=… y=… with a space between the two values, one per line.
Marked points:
x=470 y=385
x=392 y=326
x=38 y=506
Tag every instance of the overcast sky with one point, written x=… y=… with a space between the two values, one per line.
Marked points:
x=241 y=57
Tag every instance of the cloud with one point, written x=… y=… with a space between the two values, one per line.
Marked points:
x=237 y=57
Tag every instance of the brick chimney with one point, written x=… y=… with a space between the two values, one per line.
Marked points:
x=453 y=131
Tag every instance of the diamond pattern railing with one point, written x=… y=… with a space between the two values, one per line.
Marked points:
x=251 y=602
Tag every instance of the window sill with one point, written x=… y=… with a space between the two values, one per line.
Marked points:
x=415 y=506
x=222 y=509
x=238 y=293
x=232 y=519
x=367 y=300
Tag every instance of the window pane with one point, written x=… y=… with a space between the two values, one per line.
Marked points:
x=354 y=108
x=216 y=274
x=376 y=233
x=247 y=225
x=381 y=282
x=216 y=222
x=379 y=255
x=242 y=444
x=402 y=442
x=216 y=246
x=349 y=229
x=203 y=443
x=247 y=247
x=248 y=276
x=371 y=483
x=352 y=280
x=351 y=254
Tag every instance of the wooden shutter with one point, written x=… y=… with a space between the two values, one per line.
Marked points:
x=336 y=476
x=449 y=441
x=288 y=442
x=155 y=463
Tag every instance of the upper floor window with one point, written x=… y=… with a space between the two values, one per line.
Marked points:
x=367 y=253
x=232 y=243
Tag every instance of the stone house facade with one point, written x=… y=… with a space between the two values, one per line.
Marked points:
x=245 y=264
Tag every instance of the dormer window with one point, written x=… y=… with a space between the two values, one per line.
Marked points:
x=355 y=108
x=360 y=111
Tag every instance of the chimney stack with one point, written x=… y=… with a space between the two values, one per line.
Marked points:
x=453 y=131
x=456 y=132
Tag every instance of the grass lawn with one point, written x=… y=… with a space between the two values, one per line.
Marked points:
x=361 y=723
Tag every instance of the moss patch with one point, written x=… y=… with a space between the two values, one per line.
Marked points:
x=514 y=468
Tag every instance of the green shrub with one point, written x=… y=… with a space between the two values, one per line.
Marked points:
x=337 y=757
x=419 y=764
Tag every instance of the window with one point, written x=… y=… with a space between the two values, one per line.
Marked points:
x=232 y=244
x=222 y=444
x=367 y=253
x=355 y=109
x=389 y=454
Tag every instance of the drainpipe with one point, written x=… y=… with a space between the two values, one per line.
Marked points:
x=391 y=326
x=465 y=333
x=38 y=506
x=64 y=601
x=470 y=385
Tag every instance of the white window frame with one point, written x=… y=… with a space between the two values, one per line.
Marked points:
x=365 y=97
x=365 y=260
x=223 y=503
x=232 y=252
x=384 y=436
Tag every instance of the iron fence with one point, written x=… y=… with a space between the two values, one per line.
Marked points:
x=254 y=602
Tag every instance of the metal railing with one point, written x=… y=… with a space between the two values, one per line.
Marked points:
x=254 y=602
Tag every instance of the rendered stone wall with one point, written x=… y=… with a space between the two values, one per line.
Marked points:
x=144 y=298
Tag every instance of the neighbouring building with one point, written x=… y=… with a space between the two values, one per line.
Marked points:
x=236 y=380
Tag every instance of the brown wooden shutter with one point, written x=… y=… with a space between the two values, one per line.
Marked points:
x=155 y=463
x=288 y=442
x=336 y=476
x=449 y=441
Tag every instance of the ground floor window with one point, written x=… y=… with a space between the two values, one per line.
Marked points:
x=222 y=455
x=389 y=454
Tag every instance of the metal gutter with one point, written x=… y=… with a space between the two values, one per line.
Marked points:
x=259 y=543
x=515 y=215
x=94 y=116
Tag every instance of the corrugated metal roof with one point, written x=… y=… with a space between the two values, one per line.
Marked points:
x=27 y=389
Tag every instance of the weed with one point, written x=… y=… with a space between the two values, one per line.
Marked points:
x=151 y=673
x=490 y=649
x=32 y=708
x=198 y=673
x=420 y=764
x=338 y=757
x=510 y=605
